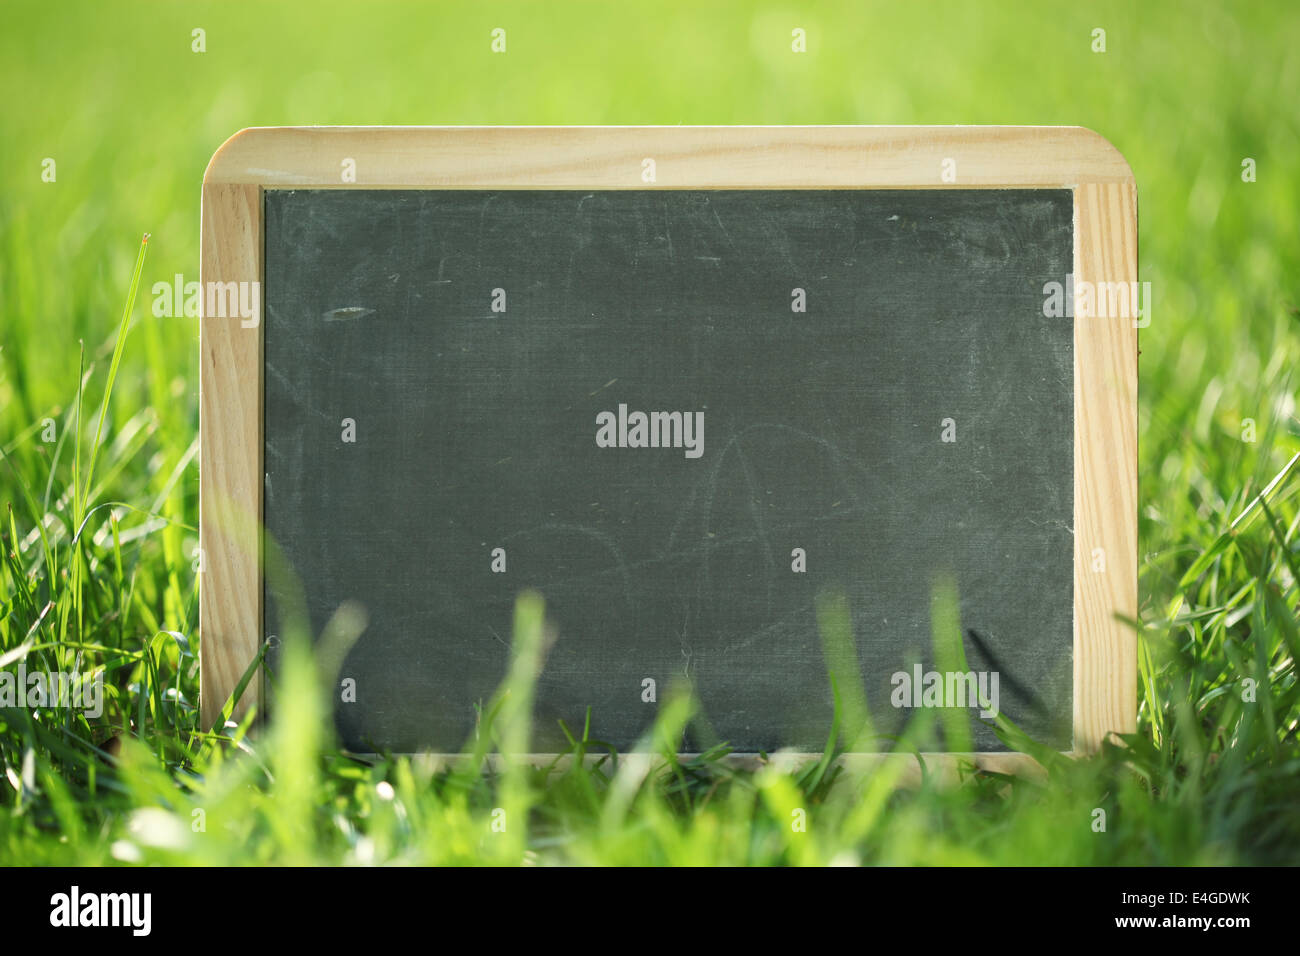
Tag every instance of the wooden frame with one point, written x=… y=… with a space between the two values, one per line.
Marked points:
x=801 y=157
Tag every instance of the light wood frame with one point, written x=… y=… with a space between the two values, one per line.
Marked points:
x=686 y=157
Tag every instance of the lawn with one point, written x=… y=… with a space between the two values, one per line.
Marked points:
x=111 y=119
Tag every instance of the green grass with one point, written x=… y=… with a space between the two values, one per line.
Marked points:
x=97 y=567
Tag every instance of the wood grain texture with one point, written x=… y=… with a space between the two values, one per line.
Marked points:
x=749 y=157
x=1105 y=471
x=230 y=462
x=1105 y=482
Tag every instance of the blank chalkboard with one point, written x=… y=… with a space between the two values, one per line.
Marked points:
x=436 y=363
x=686 y=417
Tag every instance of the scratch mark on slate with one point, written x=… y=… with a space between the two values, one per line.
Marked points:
x=347 y=313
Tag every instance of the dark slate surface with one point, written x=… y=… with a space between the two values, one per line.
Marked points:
x=477 y=430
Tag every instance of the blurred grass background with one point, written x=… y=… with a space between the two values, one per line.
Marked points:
x=114 y=94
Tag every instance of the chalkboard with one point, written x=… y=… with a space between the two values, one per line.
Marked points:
x=684 y=416
x=402 y=407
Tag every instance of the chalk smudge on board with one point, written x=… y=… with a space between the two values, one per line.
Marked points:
x=348 y=313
